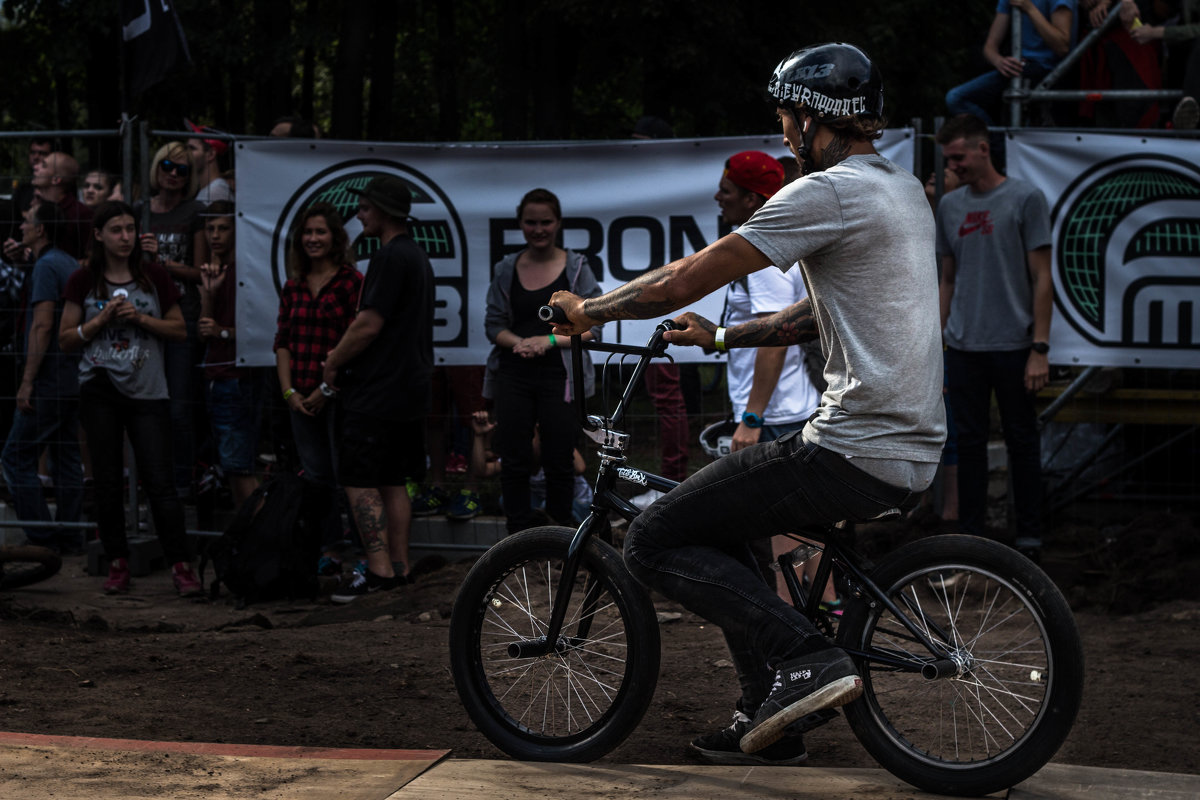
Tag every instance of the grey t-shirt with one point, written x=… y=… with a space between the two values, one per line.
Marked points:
x=131 y=356
x=989 y=235
x=863 y=235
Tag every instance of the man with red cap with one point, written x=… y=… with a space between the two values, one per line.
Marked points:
x=207 y=157
x=770 y=392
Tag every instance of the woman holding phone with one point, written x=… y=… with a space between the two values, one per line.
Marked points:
x=120 y=310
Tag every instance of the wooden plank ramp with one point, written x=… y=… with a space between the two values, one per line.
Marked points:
x=37 y=767
x=514 y=780
x=463 y=779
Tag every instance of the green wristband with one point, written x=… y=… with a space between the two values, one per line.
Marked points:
x=553 y=341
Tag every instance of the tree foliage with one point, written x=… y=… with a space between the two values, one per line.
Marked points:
x=454 y=70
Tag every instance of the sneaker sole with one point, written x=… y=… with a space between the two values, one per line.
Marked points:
x=727 y=758
x=838 y=693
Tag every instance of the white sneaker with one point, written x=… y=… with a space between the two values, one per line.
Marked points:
x=643 y=500
x=1187 y=115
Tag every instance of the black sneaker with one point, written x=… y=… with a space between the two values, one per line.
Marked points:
x=430 y=501
x=356 y=584
x=722 y=747
x=805 y=685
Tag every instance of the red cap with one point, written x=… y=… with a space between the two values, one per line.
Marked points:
x=218 y=146
x=755 y=171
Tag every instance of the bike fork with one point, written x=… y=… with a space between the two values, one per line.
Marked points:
x=550 y=641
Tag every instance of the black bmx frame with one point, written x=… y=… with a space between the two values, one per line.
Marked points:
x=612 y=442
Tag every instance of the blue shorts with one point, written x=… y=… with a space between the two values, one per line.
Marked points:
x=233 y=411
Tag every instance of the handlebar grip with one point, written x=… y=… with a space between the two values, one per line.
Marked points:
x=552 y=314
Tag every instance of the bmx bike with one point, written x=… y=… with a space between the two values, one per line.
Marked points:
x=970 y=658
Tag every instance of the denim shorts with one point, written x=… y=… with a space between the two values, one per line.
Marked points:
x=233 y=411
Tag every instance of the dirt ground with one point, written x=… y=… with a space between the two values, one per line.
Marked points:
x=374 y=673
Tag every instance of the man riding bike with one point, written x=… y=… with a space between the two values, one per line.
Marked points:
x=861 y=230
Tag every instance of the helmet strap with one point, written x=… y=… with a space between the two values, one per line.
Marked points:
x=808 y=132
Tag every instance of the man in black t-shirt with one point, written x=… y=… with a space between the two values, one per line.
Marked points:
x=384 y=362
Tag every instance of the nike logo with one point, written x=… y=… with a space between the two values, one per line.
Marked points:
x=976 y=221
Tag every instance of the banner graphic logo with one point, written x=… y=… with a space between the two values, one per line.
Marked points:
x=1127 y=253
x=437 y=228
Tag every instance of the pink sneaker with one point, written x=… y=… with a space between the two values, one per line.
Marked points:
x=118 y=577
x=185 y=580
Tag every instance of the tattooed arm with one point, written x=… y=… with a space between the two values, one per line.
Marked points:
x=792 y=325
x=661 y=291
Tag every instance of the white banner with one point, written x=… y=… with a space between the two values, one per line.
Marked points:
x=1126 y=248
x=629 y=205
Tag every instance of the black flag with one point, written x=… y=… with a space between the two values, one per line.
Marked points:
x=154 y=42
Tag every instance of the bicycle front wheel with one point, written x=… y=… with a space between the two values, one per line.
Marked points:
x=1007 y=704
x=27 y=564
x=587 y=694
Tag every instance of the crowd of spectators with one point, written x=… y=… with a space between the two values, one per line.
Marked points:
x=143 y=340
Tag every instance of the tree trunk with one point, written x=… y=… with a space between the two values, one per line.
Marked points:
x=383 y=69
x=350 y=71
x=513 y=86
x=445 y=73
x=308 y=77
x=273 y=87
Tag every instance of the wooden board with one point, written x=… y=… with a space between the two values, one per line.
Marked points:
x=34 y=767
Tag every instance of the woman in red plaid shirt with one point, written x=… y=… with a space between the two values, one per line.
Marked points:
x=316 y=307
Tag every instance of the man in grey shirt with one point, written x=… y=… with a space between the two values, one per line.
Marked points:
x=993 y=237
x=862 y=232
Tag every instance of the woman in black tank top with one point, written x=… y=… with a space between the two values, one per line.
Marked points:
x=535 y=421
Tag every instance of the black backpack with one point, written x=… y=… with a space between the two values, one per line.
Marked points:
x=268 y=552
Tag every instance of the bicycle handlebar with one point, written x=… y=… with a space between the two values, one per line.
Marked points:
x=552 y=314
x=655 y=347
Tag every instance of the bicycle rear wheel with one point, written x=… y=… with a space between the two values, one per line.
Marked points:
x=584 y=697
x=26 y=564
x=1012 y=698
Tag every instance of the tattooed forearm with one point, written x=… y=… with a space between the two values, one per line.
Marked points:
x=792 y=325
x=645 y=297
x=371 y=521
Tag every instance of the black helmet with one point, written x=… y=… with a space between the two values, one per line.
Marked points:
x=829 y=81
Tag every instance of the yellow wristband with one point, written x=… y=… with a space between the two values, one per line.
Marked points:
x=553 y=341
x=288 y=394
x=719 y=340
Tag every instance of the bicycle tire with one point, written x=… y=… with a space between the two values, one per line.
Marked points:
x=1000 y=718
x=575 y=705
x=24 y=565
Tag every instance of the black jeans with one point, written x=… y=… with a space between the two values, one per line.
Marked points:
x=107 y=416
x=972 y=377
x=524 y=403
x=692 y=545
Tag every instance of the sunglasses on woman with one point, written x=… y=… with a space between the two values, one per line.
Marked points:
x=182 y=170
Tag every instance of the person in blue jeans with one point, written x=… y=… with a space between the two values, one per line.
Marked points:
x=863 y=235
x=232 y=391
x=1046 y=29
x=47 y=415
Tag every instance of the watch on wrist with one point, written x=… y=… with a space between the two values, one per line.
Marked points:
x=752 y=420
x=1041 y=348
